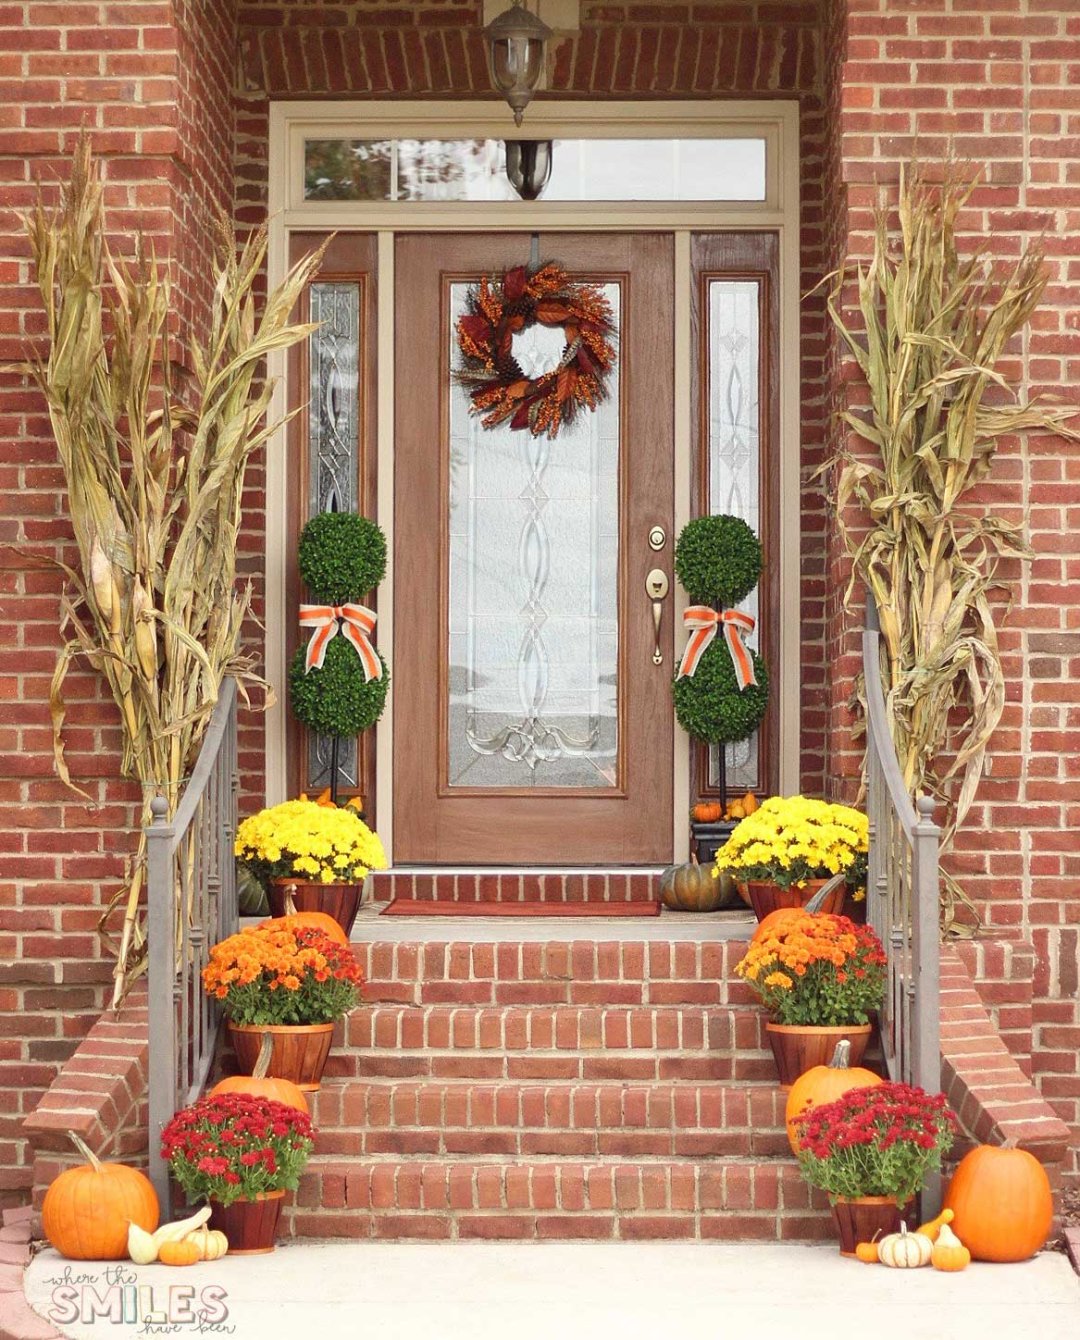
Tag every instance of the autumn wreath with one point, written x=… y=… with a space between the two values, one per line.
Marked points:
x=497 y=311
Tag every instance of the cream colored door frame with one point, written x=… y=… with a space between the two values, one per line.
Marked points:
x=776 y=122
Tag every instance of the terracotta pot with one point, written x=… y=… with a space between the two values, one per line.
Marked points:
x=765 y=897
x=340 y=901
x=859 y=1219
x=250 y=1225
x=798 y=1047
x=299 y=1052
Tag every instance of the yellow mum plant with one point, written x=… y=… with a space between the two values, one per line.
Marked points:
x=791 y=839
x=305 y=840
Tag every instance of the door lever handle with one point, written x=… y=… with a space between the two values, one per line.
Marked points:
x=656 y=587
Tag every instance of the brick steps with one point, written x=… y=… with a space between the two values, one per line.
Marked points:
x=732 y=1199
x=471 y=1117
x=524 y=1088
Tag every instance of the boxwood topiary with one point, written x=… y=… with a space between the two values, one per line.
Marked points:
x=710 y=705
x=337 y=700
x=718 y=560
x=342 y=556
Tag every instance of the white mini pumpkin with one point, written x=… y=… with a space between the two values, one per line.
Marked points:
x=905 y=1250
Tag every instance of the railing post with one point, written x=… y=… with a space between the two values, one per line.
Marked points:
x=926 y=968
x=161 y=974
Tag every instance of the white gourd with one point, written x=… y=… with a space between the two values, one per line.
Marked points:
x=904 y=1250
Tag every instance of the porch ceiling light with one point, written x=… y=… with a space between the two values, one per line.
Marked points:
x=516 y=43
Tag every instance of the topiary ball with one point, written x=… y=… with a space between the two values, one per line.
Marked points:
x=337 y=700
x=718 y=560
x=710 y=705
x=342 y=556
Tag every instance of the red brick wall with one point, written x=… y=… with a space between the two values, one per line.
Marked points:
x=152 y=81
x=999 y=81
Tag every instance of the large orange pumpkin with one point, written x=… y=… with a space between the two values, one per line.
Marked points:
x=1001 y=1202
x=320 y=921
x=825 y=1084
x=87 y=1209
x=773 y=922
x=261 y=1085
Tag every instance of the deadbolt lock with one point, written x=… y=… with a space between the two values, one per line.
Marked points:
x=657 y=538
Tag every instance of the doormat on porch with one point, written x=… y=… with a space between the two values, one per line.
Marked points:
x=446 y=907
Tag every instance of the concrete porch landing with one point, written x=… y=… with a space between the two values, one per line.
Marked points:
x=638 y=1291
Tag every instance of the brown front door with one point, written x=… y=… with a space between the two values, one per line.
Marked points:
x=532 y=722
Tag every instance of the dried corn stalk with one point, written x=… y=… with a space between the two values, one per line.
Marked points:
x=154 y=480
x=933 y=331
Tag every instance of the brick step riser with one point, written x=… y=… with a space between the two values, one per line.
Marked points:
x=682 y=1030
x=484 y=1066
x=577 y=1201
x=618 y=1143
x=517 y=886
x=459 y=972
x=437 y=1108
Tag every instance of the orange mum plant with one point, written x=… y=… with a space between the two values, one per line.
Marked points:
x=815 y=969
x=279 y=974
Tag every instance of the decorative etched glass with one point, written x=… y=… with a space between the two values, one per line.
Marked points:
x=333 y=452
x=533 y=599
x=475 y=169
x=735 y=452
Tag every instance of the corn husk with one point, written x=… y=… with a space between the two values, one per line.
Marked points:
x=155 y=476
x=928 y=330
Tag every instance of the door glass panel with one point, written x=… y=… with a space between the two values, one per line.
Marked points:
x=734 y=453
x=533 y=590
x=333 y=452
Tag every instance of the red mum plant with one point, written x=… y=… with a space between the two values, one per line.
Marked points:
x=877 y=1141
x=235 y=1145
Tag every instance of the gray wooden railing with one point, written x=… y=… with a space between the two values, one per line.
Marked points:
x=191 y=904
x=902 y=898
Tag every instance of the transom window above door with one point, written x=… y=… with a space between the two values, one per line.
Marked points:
x=581 y=169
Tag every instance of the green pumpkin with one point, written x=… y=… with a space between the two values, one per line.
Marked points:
x=694 y=888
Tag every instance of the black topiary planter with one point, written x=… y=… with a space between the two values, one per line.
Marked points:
x=707 y=839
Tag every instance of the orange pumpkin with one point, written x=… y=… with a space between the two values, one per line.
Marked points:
x=261 y=1085
x=1001 y=1202
x=87 y=1209
x=184 y=1253
x=320 y=921
x=707 y=812
x=824 y=1084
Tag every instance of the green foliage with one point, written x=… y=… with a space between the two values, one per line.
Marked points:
x=710 y=705
x=337 y=700
x=718 y=561
x=342 y=556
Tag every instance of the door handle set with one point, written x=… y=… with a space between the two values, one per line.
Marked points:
x=656 y=588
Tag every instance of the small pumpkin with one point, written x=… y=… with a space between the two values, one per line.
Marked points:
x=825 y=1084
x=212 y=1244
x=1001 y=1202
x=867 y=1252
x=261 y=1085
x=87 y=1209
x=750 y=804
x=694 y=888
x=904 y=1250
x=948 y=1252
x=184 y=1253
x=295 y=921
x=933 y=1227
x=707 y=812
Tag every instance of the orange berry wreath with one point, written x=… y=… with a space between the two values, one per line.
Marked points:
x=497 y=311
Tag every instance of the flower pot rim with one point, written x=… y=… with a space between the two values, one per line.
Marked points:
x=870 y=1200
x=817 y=1028
x=250 y=1200
x=281 y=1028
x=318 y=883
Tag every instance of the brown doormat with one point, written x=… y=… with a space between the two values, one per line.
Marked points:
x=446 y=907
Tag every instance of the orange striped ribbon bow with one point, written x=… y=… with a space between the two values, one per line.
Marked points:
x=357 y=623
x=703 y=623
